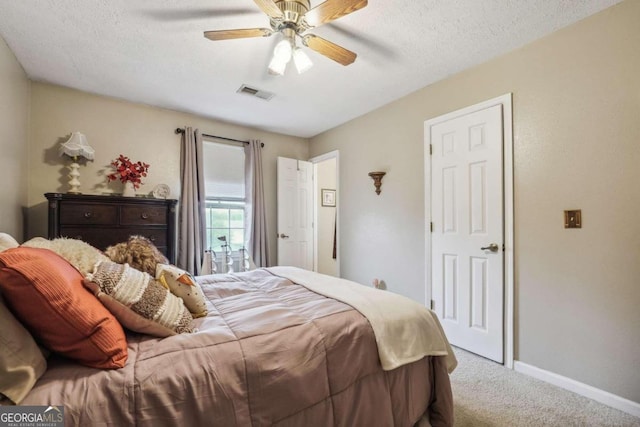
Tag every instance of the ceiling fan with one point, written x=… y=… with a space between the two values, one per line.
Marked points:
x=292 y=18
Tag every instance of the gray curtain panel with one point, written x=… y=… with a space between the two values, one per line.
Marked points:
x=255 y=214
x=192 y=224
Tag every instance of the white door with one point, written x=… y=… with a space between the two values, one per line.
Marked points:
x=467 y=238
x=295 y=198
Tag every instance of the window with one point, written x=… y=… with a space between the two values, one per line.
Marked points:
x=224 y=187
x=225 y=218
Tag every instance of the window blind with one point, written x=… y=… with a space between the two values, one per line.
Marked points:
x=223 y=170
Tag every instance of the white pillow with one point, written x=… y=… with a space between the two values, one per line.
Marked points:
x=183 y=285
x=7 y=242
x=80 y=254
x=21 y=361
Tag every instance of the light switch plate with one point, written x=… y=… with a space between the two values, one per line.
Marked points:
x=573 y=219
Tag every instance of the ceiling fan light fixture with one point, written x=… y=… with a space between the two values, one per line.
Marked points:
x=282 y=51
x=277 y=66
x=291 y=19
x=301 y=60
x=281 y=56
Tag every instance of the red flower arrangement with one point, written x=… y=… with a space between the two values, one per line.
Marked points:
x=128 y=171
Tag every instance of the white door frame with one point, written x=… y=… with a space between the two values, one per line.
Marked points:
x=335 y=154
x=509 y=286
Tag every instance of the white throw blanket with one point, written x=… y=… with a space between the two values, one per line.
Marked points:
x=405 y=330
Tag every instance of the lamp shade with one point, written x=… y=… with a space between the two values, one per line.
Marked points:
x=77 y=146
x=283 y=51
x=301 y=60
x=277 y=66
x=281 y=57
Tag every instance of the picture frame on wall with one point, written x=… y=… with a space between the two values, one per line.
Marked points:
x=328 y=197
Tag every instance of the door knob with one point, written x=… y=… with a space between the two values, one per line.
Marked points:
x=493 y=247
x=283 y=236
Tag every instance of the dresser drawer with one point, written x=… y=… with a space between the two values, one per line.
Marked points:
x=77 y=213
x=143 y=215
x=158 y=237
x=103 y=237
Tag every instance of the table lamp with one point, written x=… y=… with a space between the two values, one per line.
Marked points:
x=76 y=146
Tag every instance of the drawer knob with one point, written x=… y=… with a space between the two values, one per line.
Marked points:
x=78 y=237
x=152 y=238
x=144 y=216
x=88 y=215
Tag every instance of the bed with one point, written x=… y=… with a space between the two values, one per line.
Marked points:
x=270 y=352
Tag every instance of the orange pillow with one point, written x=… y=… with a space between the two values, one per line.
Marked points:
x=45 y=293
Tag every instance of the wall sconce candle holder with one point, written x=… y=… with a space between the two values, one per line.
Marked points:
x=377 y=180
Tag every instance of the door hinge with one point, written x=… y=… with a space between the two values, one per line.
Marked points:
x=431 y=149
x=431 y=227
x=433 y=304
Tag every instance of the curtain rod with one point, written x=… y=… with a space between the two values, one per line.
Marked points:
x=181 y=131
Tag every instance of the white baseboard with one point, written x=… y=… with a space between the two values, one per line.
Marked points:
x=609 y=399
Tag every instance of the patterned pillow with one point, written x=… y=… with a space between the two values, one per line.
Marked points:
x=183 y=285
x=139 y=293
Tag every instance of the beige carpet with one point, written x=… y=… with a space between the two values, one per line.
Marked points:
x=488 y=394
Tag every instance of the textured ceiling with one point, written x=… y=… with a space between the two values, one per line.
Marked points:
x=154 y=52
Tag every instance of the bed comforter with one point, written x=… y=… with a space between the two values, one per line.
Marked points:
x=270 y=352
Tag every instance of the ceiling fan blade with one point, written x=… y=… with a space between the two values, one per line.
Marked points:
x=201 y=13
x=238 y=34
x=329 y=49
x=382 y=49
x=270 y=8
x=331 y=10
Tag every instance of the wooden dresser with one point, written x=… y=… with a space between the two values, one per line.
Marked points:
x=102 y=221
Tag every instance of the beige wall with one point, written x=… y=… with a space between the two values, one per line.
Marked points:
x=138 y=131
x=576 y=120
x=14 y=116
x=326 y=178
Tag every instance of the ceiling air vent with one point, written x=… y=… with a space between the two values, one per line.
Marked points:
x=256 y=92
